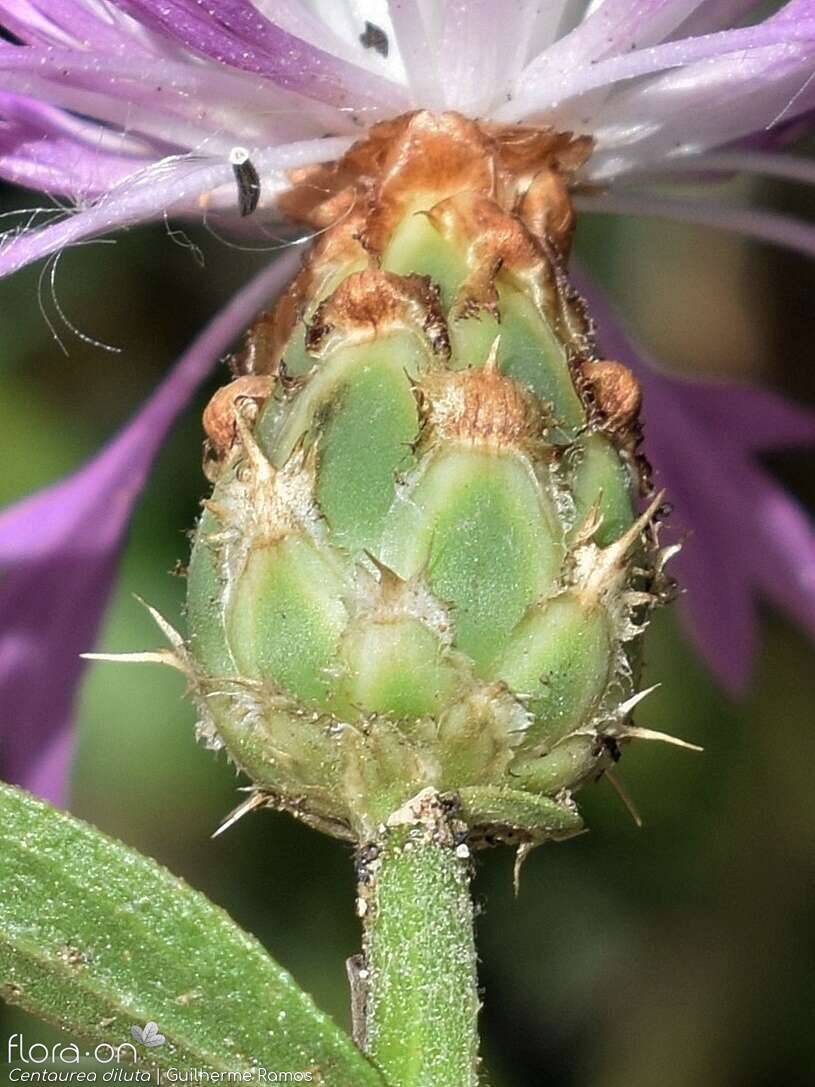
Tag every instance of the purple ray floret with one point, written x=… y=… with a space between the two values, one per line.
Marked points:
x=743 y=535
x=59 y=552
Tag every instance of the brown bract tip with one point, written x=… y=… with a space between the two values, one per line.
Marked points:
x=219 y=419
x=546 y=209
x=373 y=303
x=613 y=393
x=492 y=241
x=330 y=256
x=418 y=159
x=482 y=407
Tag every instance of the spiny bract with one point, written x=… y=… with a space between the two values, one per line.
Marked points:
x=421 y=565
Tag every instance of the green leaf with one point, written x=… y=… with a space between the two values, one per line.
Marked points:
x=97 y=938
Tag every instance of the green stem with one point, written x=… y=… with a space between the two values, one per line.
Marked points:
x=419 y=969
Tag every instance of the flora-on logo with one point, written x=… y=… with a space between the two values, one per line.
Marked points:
x=149 y=1035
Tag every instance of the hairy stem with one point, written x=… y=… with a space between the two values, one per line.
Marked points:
x=419 y=970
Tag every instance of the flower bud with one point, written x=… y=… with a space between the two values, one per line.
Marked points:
x=421 y=566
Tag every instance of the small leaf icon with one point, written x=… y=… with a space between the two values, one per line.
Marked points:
x=149 y=1036
x=152 y=1037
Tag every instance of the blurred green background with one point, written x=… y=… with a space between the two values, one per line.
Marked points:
x=681 y=954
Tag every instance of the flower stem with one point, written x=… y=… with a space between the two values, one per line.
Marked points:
x=421 y=999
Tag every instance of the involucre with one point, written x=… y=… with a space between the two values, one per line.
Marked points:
x=422 y=565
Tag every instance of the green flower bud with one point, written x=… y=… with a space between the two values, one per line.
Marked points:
x=420 y=565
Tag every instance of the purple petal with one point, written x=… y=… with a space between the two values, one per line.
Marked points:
x=617 y=26
x=297 y=19
x=717 y=606
x=548 y=21
x=55 y=167
x=765 y=226
x=715 y=16
x=744 y=535
x=786 y=570
x=470 y=48
x=702 y=105
x=536 y=27
x=419 y=53
x=55 y=22
x=737 y=159
x=236 y=33
x=794 y=10
x=48 y=121
x=175 y=186
x=46 y=149
x=59 y=550
x=179 y=102
x=538 y=91
x=763 y=419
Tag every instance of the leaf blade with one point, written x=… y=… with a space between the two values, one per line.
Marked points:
x=97 y=938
